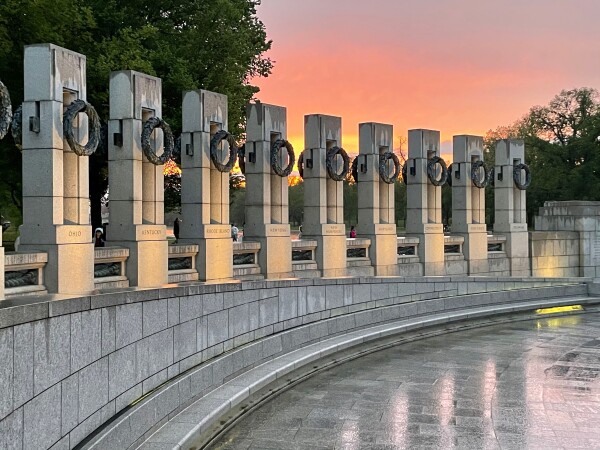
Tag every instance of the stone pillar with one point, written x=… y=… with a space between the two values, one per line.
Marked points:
x=267 y=212
x=56 y=211
x=136 y=185
x=205 y=190
x=323 y=196
x=376 y=218
x=468 y=203
x=510 y=217
x=424 y=201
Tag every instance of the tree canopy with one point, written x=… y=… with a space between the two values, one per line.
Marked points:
x=218 y=45
x=562 y=147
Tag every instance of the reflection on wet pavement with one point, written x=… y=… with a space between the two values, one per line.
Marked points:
x=527 y=385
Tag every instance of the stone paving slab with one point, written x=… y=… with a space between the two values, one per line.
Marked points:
x=238 y=389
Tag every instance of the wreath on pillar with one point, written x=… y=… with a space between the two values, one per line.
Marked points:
x=277 y=145
x=169 y=144
x=6 y=114
x=241 y=154
x=383 y=168
x=476 y=178
x=16 y=128
x=449 y=176
x=301 y=165
x=354 y=169
x=431 y=171
x=81 y=106
x=517 y=176
x=331 y=154
x=233 y=150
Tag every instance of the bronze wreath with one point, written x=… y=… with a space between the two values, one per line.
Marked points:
x=277 y=145
x=431 y=163
x=331 y=154
x=383 y=172
x=517 y=176
x=354 y=169
x=214 y=142
x=301 y=165
x=16 y=128
x=169 y=144
x=449 y=175
x=93 y=128
x=5 y=111
x=241 y=153
x=476 y=178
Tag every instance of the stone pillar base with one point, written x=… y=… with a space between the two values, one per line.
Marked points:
x=383 y=250
x=275 y=255
x=331 y=249
x=147 y=265
x=70 y=267
x=431 y=250
x=475 y=248
x=214 y=261
x=517 y=247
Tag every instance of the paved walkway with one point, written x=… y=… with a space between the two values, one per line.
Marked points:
x=528 y=385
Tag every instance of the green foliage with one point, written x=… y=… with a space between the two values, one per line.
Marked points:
x=561 y=148
x=216 y=45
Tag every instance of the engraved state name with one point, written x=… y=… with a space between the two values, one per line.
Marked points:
x=151 y=232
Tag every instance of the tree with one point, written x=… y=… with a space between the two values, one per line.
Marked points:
x=217 y=45
x=562 y=148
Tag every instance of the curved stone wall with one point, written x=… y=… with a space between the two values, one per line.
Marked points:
x=69 y=366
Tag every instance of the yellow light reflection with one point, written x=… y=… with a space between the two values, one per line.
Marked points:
x=559 y=309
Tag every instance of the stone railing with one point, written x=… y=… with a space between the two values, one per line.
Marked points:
x=358 y=261
x=109 y=267
x=24 y=273
x=407 y=249
x=496 y=244
x=182 y=263
x=245 y=260
x=498 y=261
x=304 y=264
x=453 y=255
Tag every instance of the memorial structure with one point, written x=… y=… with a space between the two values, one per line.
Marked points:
x=325 y=166
x=510 y=217
x=205 y=182
x=56 y=217
x=469 y=178
x=376 y=217
x=426 y=173
x=267 y=169
x=135 y=158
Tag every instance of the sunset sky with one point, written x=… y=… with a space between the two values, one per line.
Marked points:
x=458 y=66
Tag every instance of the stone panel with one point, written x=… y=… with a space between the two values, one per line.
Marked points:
x=86 y=345
x=23 y=364
x=52 y=348
x=41 y=421
x=128 y=324
x=6 y=372
x=155 y=317
x=93 y=388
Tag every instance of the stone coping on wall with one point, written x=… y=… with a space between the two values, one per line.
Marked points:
x=206 y=417
x=70 y=364
x=15 y=311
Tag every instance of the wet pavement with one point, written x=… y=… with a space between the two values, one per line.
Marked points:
x=526 y=385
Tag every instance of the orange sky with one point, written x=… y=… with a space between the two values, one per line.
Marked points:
x=458 y=66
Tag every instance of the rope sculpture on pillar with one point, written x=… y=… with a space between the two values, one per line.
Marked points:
x=233 y=150
x=16 y=128
x=241 y=154
x=383 y=169
x=277 y=145
x=517 y=176
x=354 y=169
x=331 y=154
x=148 y=128
x=6 y=114
x=431 y=171
x=301 y=165
x=94 y=128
